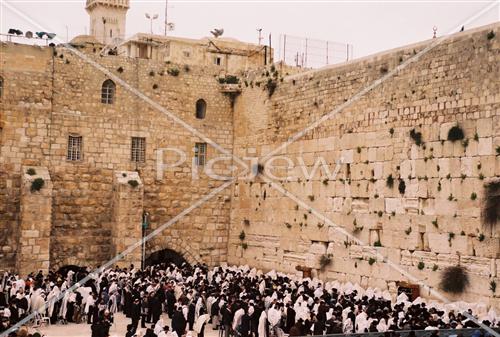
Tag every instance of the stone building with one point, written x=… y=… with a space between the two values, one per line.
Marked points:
x=85 y=141
x=107 y=19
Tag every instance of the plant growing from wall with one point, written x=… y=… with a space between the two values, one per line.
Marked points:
x=288 y=225
x=371 y=261
x=421 y=265
x=37 y=184
x=325 y=182
x=31 y=171
x=377 y=244
x=416 y=136
x=173 y=71
x=151 y=73
x=402 y=186
x=242 y=235
x=246 y=222
x=244 y=245
x=325 y=260
x=391 y=131
x=435 y=223
x=271 y=86
x=120 y=70
x=408 y=231
x=311 y=197
x=491 y=35
x=134 y=183
x=493 y=286
x=389 y=181
x=491 y=207
x=455 y=133
x=435 y=267
x=454 y=279
x=155 y=86
x=451 y=236
x=473 y=196
x=498 y=150
x=481 y=237
x=476 y=137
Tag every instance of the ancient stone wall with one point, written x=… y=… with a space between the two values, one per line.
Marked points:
x=52 y=93
x=427 y=217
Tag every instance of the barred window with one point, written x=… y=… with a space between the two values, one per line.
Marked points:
x=200 y=153
x=74 y=148
x=201 y=108
x=1 y=87
x=108 y=92
x=138 y=149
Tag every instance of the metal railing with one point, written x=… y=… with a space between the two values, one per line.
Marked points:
x=467 y=332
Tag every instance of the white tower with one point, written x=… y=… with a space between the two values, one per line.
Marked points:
x=107 y=19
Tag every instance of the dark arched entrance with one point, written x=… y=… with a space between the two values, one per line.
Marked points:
x=165 y=256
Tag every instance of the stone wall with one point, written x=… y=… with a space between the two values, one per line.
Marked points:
x=435 y=222
x=52 y=93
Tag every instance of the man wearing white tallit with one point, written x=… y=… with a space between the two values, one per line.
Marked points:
x=262 y=329
x=38 y=302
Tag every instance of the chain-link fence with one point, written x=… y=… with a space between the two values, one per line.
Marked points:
x=311 y=53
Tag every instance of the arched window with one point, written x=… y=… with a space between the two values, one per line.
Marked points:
x=108 y=92
x=1 y=86
x=201 y=108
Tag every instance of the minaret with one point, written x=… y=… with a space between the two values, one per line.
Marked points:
x=107 y=19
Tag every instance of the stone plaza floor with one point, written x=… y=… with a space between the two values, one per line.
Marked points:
x=118 y=329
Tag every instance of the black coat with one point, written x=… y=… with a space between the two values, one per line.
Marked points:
x=178 y=323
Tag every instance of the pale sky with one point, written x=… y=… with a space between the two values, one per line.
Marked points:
x=370 y=26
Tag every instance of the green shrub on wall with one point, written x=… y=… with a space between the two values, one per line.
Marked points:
x=37 y=184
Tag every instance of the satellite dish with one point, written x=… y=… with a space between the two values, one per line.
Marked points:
x=217 y=32
x=40 y=34
x=147 y=16
x=155 y=16
x=28 y=34
x=50 y=36
x=170 y=26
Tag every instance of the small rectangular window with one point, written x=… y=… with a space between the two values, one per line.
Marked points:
x=74 y=148
x=186 y=53
x=217 y=61
x=138 y=149
x=200 y=154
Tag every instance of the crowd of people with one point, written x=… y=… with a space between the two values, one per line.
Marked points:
x=237 y=301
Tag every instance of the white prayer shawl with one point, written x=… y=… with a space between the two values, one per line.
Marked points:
x=198 y=306
x=64 y=305
x=318 y=292
x=382 y=325
x=273 y=316
x=347 y=326
x=159 y=326
x=198 y=325
x=51 y=299
x=37 y=301
x=262 y=324
x=262 y=287
x=88 y=303
x=237 y=318
x=361 y=322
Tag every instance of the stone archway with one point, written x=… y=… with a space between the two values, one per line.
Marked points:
x=176 y=246
x=165 y=256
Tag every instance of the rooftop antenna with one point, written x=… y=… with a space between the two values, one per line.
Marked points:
x=168 y=25
x=434 y=29
x=260 y=35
